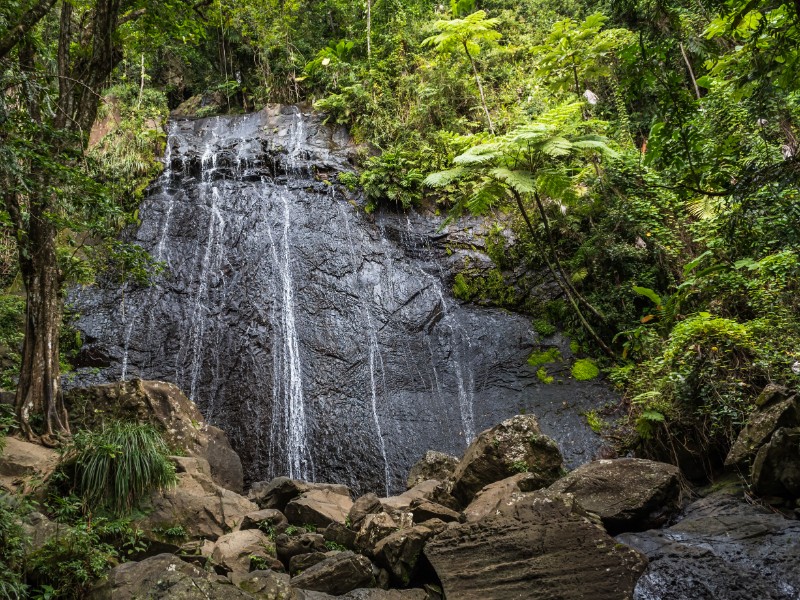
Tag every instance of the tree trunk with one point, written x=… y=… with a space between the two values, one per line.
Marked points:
x=38 y=390
x=480 y=88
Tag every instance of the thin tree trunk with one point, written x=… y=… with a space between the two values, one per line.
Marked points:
x=561 y=281
x=691 y=71
x=480 y=88
x=552 y=244
x=369 y=30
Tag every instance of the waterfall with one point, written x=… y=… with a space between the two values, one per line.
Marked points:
x=289 y=386
x=321 y=339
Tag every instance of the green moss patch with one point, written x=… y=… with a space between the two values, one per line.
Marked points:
x=585 y=369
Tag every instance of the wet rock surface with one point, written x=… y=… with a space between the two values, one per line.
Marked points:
x=722 y=548
x=294 y=320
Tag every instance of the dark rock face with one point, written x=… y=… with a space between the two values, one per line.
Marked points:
x=324 y=342
x=628 y=494
x=723 y=548
x=537 y=548
x=776 y=469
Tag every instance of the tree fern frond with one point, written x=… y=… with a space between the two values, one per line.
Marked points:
x=521 y=181
x=443 y=178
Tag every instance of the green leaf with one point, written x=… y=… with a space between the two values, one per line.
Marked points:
x=648 y=293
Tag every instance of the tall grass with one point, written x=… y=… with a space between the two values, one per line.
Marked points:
x=117 y=467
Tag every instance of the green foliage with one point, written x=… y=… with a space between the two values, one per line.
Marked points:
x=575 y=55
x=72 y=560
x=542 y=357
x=12 y=549
x=117 y=467
x=544 y=327
x=519 y=466
x=543 y=376
x=465 y=34
x=595 y=421
x=330 y=545
x=584 y=369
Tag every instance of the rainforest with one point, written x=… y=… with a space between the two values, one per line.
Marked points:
x=387 y=299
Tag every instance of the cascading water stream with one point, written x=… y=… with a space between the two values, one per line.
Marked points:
x=289 y=390
x=374 y=349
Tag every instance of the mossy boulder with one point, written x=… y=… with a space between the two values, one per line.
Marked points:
x=514 y=446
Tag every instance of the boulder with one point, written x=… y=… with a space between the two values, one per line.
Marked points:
x=430 y=489
x=374 y=528
x=368 y=504
x=538 y=548
x=491 y=497
x=319 y=507
x=375 y=594
x=265 y=519
x=628 y=494
x=301 y=562
x=400 y=551
x=723 y=547
x=337 y=574
x=234 y=552
x=366 y=594
x=278 y=492
x=776 y=407
x=340 y=535
x=164 y=577
x=288 y=546
x=776 y=468
x=424 y=510
x=38 y=530
x=202 y=508
x=434 y=465
x=515 y=445
x=264 y=584
x=170 y=411
x=22 y=465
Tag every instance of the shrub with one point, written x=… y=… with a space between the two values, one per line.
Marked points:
x=69 y=563
x=12 y=546
x=114 y=468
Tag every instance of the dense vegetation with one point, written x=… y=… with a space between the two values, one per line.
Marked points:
x=643 y=153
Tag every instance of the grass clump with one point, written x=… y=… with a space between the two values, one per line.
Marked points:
x=585 y=369
x=116 y=467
